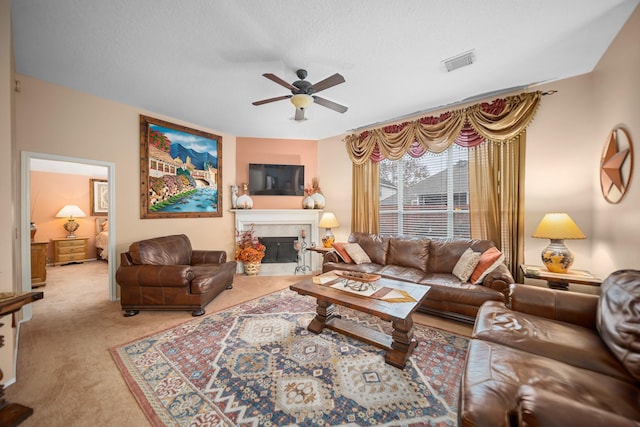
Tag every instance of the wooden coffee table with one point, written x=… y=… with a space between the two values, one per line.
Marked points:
x=399 y=345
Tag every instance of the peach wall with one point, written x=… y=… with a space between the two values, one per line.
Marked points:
x=561 y=158
x=276 y=151
x=83 y=126
x=49 y=193
x=334 y=166
x=617 y=95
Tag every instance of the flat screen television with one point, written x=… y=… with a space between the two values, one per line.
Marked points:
x=276 y=180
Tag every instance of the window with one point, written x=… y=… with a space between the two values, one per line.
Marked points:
x=427 y=196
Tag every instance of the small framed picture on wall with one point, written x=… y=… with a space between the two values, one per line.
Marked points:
x=99 y=191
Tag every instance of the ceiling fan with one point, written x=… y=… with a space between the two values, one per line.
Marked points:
x=302 y=92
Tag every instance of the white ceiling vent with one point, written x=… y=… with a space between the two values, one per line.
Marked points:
x=461 y=60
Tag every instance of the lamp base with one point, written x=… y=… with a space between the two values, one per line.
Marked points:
x=328 y=239
x=557 y=257
x=71 y=226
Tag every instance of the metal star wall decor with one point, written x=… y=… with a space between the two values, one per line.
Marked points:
x=616 y=165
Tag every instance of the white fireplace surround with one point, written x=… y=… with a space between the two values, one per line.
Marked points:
x=282 y=223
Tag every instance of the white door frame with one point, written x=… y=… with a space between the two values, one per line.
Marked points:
x=25 y=190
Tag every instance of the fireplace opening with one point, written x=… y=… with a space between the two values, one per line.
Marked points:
x=279 y=249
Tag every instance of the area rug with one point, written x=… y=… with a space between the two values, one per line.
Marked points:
x=256 y=364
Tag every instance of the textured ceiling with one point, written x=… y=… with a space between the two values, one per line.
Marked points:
x=202 y=61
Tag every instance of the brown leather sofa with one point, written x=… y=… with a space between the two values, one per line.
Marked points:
x=429 y=262
x=556 y=358
x=164 y=273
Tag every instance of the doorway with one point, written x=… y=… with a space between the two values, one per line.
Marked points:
x=71 y=163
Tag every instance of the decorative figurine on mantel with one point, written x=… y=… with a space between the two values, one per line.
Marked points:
x=234 y=196
x=317 y=199
x=307 y=202
x=244 y=201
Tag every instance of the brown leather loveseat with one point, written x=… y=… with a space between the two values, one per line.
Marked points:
x=429 y=262
x=164 y=273
x=556 y=358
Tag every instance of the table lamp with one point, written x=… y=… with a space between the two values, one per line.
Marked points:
x=328 y=221
x=557 y=227
x=70 y=211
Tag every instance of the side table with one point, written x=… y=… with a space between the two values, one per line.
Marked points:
x=560 y=280
x=321 y=250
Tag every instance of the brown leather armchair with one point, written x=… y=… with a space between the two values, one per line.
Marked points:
x=164 y=273
x=556 y=358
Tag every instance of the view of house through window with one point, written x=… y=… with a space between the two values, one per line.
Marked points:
x=427 y=196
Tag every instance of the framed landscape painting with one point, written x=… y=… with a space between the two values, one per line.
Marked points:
x=180 y=171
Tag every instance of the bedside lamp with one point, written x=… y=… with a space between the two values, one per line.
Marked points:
x=328 y=221
x=71 y=211
x=557 y=227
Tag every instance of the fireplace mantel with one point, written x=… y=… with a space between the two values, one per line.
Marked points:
x=278 y=223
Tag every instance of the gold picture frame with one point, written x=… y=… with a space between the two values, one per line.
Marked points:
x=180 y=171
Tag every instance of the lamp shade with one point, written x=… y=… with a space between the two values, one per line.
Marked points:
x=558 y=226
x=328 y=220
x=301 y=100
x=70 y=211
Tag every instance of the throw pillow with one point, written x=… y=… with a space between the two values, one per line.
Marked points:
x=489 y=261
x=357 y=254
x=342 y=253
x=466 y=264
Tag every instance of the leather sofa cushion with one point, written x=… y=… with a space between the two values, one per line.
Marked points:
x=375 y=246
x=445 y=253
x=166 y=250
x=572 y=344
x=208 y=276
x=619 y=317
x=494 y=374
x=405 y=274
x=447 y=287
x=542 y=408
x=408 y=252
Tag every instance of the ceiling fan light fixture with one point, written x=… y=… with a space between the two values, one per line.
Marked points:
x=301 y=100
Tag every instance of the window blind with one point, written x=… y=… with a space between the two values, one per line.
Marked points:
x=426 y=196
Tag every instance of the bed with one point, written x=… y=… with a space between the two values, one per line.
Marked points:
x=102 y=238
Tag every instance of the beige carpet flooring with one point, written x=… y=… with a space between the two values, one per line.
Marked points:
x=65 y=371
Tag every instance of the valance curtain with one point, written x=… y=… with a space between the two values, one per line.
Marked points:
x=498 y=121
x=496 y=129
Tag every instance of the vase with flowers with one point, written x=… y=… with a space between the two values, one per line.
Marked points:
x=249 y=250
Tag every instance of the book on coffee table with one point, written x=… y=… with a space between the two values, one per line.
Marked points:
x=325 y=278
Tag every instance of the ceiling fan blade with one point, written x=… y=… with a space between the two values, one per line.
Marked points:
x=330 y=81
x=266 y=101
x=278 y=80
x=330 y=104
x=299 y=114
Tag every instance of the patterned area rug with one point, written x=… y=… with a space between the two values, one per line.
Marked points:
x=256 y=364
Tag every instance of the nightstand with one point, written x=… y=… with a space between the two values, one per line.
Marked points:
x=69 y=250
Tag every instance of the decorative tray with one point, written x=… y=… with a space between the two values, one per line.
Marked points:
x=358 y=276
